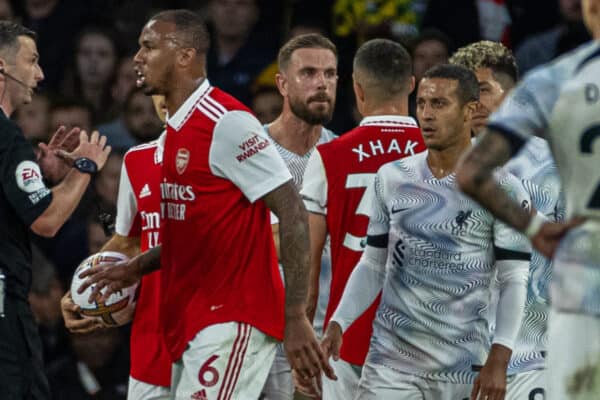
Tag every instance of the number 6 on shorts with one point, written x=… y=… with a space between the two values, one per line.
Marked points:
x=224 y=361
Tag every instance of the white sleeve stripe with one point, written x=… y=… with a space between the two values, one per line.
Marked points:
x=207 y=113
x=211 y=108
x=215 y=104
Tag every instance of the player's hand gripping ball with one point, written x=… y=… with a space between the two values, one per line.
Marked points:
x=119 y=308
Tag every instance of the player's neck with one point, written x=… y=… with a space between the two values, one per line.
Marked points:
x=6 y=106
x=175 y=98
x=443 y=162
x=396 y=107
x=294 y=134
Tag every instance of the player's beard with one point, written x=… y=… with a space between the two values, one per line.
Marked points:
x=313 y=117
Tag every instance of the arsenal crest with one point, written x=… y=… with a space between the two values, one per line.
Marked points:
x=181 y=160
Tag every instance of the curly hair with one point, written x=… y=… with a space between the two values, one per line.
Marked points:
x=487 y=54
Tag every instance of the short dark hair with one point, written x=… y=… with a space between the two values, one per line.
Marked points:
x=432 y=34
x=9 y=34
x=468 y=87
x=387 y=64
x=488 y=54
x=190 y=25
x=307 y=41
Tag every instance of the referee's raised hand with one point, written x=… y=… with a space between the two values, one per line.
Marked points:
x=92 y=147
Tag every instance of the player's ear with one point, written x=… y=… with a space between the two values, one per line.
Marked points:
x=186 y=56
x=469 y=110
x=358 y=90
x=281 y=81
x=411 y=85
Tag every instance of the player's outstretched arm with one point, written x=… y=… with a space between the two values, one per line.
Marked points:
x=115 y=277
x=475 y=177
x=68 y=193
x=300 y=342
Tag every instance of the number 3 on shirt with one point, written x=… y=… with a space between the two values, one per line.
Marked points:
x=354 y=181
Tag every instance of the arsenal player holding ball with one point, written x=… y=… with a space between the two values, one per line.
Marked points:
x=222 y=300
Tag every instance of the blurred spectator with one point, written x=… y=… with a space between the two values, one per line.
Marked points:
x=106 y=183
x=96 y=236
x=97 y=368
x=34 y=118
x=56 y=23
x=509 y=21
x=137 y=124
x=140 y=117
x=44 y=297
x=566 y=35
x=7 y=11
x=93 y=71
x=238 y=52
x=431 y=48
x=125 y=80
x=267 y=104
x=71 y=113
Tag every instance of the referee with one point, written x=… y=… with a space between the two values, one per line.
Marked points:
x=26 y=204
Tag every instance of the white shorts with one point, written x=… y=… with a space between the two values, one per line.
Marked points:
x=573 y=356
x=222 y=362
x=138 y=390
x=378 y=382
x=530 y=385
x=346 y=385
x=279 y=384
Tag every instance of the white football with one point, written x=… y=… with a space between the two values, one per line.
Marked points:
x=119 y=308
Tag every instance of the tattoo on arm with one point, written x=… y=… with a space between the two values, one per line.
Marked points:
x=475 y=177
x=294 y=243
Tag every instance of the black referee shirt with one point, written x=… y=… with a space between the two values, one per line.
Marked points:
x=23 y=198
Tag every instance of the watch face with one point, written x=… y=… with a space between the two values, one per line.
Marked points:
x=85 y=165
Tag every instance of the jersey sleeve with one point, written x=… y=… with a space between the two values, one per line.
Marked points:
x=510 y=244
x=314 y=187
x=22 y=182
x=526 y=110
x=127 y=221
x=242 y=152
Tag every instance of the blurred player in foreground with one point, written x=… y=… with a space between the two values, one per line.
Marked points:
x=560 y=101
x=496 y=70
x=335 y=181
x=138 y=229
x=434 y=252
x=222 y=299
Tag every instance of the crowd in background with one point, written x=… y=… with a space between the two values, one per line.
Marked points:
x=86 y=52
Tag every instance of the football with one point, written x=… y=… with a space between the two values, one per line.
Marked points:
x=119 y=308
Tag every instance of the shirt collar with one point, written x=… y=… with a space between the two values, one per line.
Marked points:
x=160 y=146
x=184 y=111
x=389 y=120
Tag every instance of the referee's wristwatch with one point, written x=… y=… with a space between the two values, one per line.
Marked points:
x=85 y=165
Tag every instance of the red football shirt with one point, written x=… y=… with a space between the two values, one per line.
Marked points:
x=334 y=184
x=138 y=214
x=218 y=258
